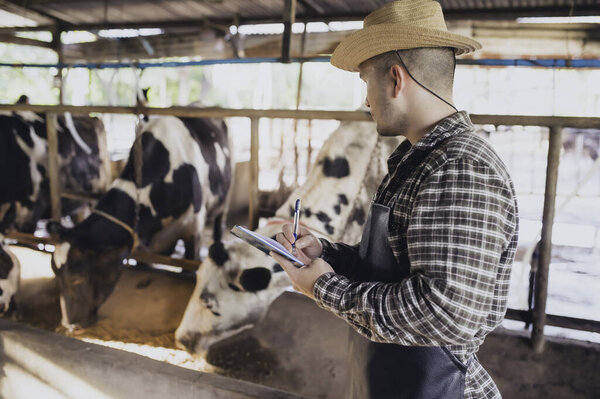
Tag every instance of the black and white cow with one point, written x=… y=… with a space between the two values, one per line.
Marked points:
x=582 y=142
x=10 y=272
x=186 y=175
x=237 y=283
x=24 y=186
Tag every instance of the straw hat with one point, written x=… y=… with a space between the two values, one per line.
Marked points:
x=399 y=25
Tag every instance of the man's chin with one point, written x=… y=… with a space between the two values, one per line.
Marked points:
x=387 y=132
x=384 y=132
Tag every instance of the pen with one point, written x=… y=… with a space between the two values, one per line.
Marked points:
x=296 y=221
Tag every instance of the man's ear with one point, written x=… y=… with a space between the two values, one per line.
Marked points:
x=57 y=231
x=398 y=75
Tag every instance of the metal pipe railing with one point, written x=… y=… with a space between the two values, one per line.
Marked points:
x=556 y=123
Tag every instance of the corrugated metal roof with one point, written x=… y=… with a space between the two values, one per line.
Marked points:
x=115 y=12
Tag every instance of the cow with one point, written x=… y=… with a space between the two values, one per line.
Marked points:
x=185 y=181
x=24 y=185
x=10 y=272
x=582 y=142
x=237 y=283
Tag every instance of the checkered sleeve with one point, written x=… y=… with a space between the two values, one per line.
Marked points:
x=344 y=259
x=458 y=229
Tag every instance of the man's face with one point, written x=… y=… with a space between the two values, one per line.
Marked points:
x=381 y=101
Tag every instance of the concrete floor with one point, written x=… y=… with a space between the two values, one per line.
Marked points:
x=302 y=348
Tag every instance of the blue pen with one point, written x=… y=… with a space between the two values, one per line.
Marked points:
x=296 y=221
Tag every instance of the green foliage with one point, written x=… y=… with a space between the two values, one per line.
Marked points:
x=37 y=83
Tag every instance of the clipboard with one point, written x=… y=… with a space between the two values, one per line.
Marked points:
x=264 y=244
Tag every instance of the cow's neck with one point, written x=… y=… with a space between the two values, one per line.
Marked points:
x=101 y=231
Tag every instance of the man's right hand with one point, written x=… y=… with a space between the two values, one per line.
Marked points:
x=308 y=247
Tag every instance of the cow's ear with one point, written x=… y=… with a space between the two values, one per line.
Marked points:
x=255 y=279
x=218 y=253
x=57 y=231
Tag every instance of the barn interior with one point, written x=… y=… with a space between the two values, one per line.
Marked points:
x=263 y=66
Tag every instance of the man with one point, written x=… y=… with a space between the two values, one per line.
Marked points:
x=430 y=277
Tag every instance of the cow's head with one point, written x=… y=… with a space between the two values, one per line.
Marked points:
x=86 y=275
x=235 y=286
x=9 y=278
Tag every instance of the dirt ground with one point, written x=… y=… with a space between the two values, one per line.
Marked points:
x=140 y=316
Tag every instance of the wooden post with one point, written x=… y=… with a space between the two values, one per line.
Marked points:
x=541 y=284
x=298 y=99
x=254 y=191
x=57 y=46
x=53 y=165
x=289 y=17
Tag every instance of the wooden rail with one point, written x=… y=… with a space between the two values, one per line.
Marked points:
x=80 y=196
x=139 y=255
x=216 y=112
x=188 y=265
x=556 y=321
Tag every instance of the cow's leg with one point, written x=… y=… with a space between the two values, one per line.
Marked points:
x=11 y=309
x=169 y=249
x=192 y=247
x=218 y=227
x=193 y=238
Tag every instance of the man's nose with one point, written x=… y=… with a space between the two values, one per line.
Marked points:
x=367 y=102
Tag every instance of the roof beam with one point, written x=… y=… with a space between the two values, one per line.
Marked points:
x=450 y=14
x=35 y=2
x=25 y=6
x=313 y=6
x=8 y=38
x=289 y=17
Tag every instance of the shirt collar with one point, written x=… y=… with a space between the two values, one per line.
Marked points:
x=457 y=123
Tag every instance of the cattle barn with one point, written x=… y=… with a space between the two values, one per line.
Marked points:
x=135 y=134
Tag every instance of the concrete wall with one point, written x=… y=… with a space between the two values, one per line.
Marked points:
x=39 y=364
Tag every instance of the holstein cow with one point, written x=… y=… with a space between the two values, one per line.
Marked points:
x=237 y=283
x=24 y=185
x=186 y=174
x=10 y=272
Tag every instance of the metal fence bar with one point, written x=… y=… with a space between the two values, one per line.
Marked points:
x=216 y=112
x=253 y=206
x=139 y=255
x=79 y=196
x=541 y=283
x=556 y=320
x=489 y=62
x=555 y=124
x=53 y=166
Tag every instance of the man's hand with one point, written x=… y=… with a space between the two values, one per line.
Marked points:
x=308 y=247
x=304 y=278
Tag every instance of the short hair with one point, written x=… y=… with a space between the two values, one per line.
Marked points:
x=433 y=67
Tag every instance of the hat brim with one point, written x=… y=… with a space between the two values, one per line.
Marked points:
x=378 y=39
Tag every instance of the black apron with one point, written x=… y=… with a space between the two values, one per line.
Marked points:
x=379 y=370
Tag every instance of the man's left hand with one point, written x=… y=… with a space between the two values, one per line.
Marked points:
x=304 y=278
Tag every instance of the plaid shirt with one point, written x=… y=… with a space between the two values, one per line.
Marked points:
x=454 y=222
